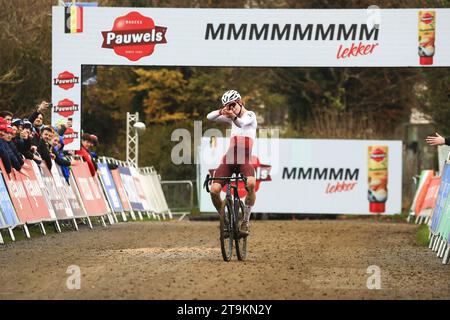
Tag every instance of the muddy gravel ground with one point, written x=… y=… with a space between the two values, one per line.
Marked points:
x=302 y=259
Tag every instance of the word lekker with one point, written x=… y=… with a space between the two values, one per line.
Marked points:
x=355 y=50
x=340 y=187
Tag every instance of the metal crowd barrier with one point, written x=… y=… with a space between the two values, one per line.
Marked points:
x=42 y=195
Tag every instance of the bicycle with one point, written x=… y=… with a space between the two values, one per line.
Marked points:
x=233 y=213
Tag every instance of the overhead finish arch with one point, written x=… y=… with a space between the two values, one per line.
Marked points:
x=235 y=37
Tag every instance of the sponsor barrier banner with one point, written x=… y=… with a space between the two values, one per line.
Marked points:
x=317 y=176
x=430 y=198
x=91 y=195
x=120 y=189
x=8 y=213
x=421 y=191
x=150 y=192
x=443 y=225
x=160 y=197
x=443 y=154
x=108 y=183
x=26 y=195
x=202 y=37
x=75 y=199
x=72 y=204
x=153 y=189
x=53 y=193
x=137 y=178
x=442 y=197
x=130 y=188
x=19 y=197
x=2 y=221
x=3 y=224
x=444 y=221
x=33 y=187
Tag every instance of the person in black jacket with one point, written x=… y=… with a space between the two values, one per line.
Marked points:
x=37 y=119
x=8 y=157
x=8 y=136
x=17 y=125
x=44 y=147
x=23 y=142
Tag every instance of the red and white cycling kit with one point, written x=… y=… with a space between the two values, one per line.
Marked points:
x=239 y=154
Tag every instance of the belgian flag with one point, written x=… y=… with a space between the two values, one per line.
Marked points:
x=73 y=19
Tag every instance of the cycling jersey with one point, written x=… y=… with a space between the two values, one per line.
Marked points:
x=239 y=154
x=244 y=126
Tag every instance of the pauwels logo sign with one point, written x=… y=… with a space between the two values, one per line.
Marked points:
x=69 y=136
x=66 y=108
x=134 y=36
x=66 y=80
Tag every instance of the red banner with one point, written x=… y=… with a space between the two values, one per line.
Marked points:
x=423 y=192
x=91 y=194
x=120 y=190
x=18 y=196
x=431 y=195
x=33 y=189
x=26 y=194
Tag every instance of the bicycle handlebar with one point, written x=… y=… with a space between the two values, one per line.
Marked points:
x=237 y=178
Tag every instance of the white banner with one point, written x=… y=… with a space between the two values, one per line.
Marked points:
x=317 y=176
x=243 y=37
x=236 y=37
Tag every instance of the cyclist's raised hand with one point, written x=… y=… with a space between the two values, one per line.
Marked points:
x=227 y=113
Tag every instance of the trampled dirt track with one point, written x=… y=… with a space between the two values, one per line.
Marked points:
x=181 y=260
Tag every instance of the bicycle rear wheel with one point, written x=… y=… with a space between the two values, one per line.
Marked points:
x=240 y=242
x=226 y=232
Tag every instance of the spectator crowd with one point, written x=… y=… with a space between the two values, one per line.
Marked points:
x=29 y=138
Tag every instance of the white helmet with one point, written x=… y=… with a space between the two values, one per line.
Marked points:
x=230 y=95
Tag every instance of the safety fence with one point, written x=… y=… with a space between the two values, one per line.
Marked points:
x=431 y=205
x=118 y=192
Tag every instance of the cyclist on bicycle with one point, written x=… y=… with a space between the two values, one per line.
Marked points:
x=238 y=157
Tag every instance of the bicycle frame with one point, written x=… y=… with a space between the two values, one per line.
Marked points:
x=228 y=180
x=233 y=202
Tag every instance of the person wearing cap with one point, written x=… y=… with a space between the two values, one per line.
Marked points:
x=23 y=142
x=8 y=158
x=17 y=125
x=26 y=124
x=8 y=137
x=28 y=130
x=86 y=143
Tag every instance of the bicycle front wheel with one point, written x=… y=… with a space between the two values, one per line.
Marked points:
x=226 y=231
x=240 y=242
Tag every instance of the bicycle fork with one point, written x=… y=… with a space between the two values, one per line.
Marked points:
x=234 y=221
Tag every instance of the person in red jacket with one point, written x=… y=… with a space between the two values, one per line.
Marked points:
x=86 y=143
